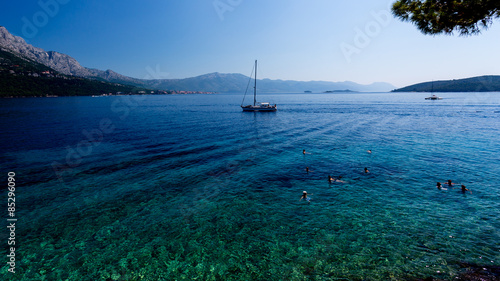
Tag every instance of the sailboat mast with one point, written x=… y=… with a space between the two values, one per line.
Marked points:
x=255 y=86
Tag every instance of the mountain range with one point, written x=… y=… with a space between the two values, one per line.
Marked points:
x=212 y=82
x=23 y=77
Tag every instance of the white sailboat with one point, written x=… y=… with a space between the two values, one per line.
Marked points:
x=257 y=106
x=433 y=97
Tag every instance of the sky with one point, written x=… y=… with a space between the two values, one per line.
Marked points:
x=321 y=40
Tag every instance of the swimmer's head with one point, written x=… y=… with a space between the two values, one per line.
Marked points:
x=304 y=192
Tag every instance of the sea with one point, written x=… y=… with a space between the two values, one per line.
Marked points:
x=189 y=187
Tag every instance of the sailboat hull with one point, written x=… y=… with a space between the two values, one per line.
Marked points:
x=259 y=108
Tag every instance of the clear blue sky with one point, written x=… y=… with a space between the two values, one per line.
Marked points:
x=292 y=39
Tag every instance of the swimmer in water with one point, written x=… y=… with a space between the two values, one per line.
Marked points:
x=339 y=179
x=369 y=151
x=332 y=179
x=448 y=182
x=439 y=186
x=464 y=189
x=307 y=170
x=366 y=170
x=304 y=196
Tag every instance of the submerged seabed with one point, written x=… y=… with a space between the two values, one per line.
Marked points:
x=191 y=188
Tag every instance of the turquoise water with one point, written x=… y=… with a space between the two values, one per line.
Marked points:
x=188 y=187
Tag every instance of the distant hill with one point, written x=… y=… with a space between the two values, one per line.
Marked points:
x=233 y=82
x=61 y=63
x=475 y=84
x=212 y=82
x=22 y=77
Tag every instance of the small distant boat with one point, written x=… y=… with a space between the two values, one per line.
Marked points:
x=257 y=106
x=433 y=97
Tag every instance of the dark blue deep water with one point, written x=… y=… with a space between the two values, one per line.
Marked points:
x=189 y=187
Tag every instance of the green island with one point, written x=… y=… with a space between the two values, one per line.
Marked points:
x=490 y=83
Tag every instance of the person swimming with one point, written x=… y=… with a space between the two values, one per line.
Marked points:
x=366 y=170
x=332 y=179
x=304 y=196
x=464 y=189
x=439 y=186
x=448 y=182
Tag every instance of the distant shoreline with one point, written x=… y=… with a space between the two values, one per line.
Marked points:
x=167 y=93
x=163 y=93
x=489 y=83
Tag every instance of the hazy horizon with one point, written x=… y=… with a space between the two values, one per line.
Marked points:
x=318 y=40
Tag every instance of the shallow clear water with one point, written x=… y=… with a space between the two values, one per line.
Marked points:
x=189 y=187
